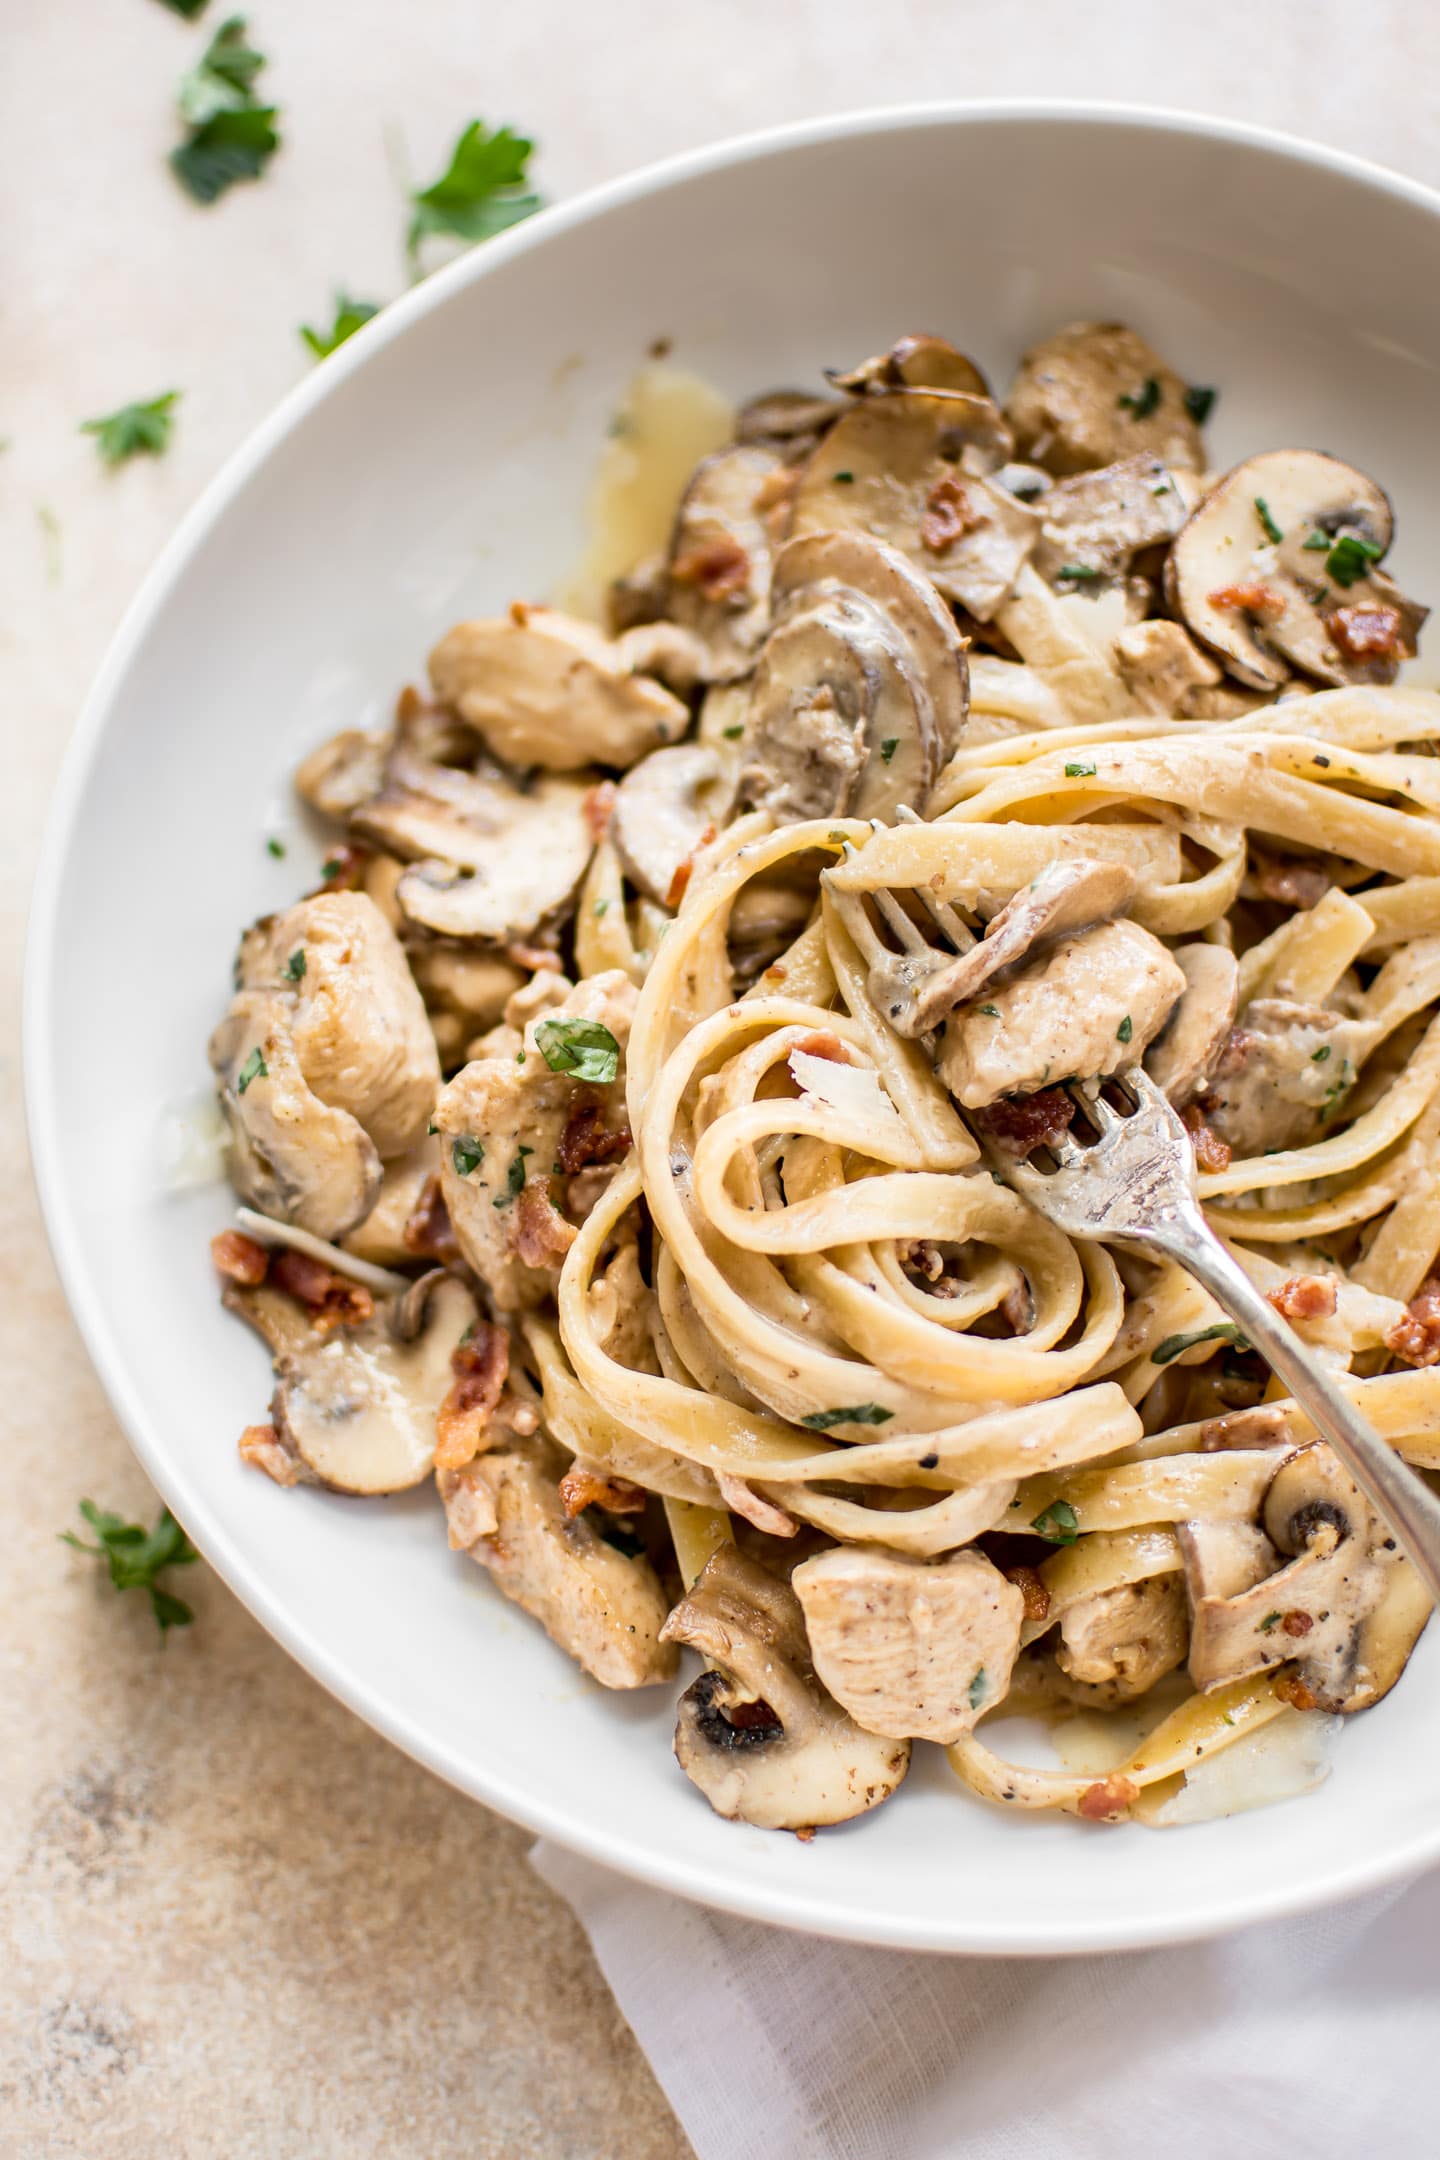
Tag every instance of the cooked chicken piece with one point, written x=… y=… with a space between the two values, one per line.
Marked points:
x=337 y=778
x=912 y=1649
x=1164 y=669
x=546 y=689
x=1124 y=1640
x=759 y=1735
x=380 y=1238
x=1081 y=1009
x=1100 y=520
x=604 y=1609
x=503 y=1127
x=1284 y=1069
x=1188 y=1047
x=466 y=986
x=357 y=1020
x=1095 y=393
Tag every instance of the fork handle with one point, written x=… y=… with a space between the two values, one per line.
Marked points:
x=1398 y=1493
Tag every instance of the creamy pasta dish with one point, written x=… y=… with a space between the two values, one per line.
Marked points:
x=621 y=1128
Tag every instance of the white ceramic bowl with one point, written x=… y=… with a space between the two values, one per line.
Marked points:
x=436 y=469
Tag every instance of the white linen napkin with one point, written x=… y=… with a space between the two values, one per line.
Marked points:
x=1314 y=2037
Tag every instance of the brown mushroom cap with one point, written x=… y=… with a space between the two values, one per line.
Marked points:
x=1099 y=521
x=919 y=362
x=546 y=689
x=663 y=808
x=1082 y=398
x=721 y=556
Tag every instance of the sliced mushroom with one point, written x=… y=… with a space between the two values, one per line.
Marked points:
x=721 y=558
x=1280 y=1072
x=790 y=421
x=1224 y=1556
x=291 y=1155
x=1188 y=1047
x=490 y=860
x=1276 y=569
x=380 y=1238
x=343 y=772
x=356 y=1407
x=758 y=1733
x=1065 y=896
x=1164 y=669
x=861 y=691
x=1121 y=1641
x=1099 y=521
x=664 y=808
x=546 y=689
x=1082 y=1008
x=908 y=467
x=605 y=1609
x=1095 y=393
x=911 y=1649
x=676 y=656
x=915 y=363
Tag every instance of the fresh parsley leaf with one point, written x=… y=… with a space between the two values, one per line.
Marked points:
x=1166 y=1352
x=1082 y=769
x=991 y=1012
x=331 y=867
x=1269 y=1621
x=294 y=968
x=600 y=907
x=514 y=1179
x=467 y=1154
x=846 y=479
x=1268 y=525
x=233 y=146
x=979 y=1688
x=1200 y=402
x=583 y=1047
x=135 y=1557
x=254 y=1068
x=350 y=316
x=888 y=748
x=865 y=1413
x=276 y=848
x=481 y=192
x=1125 y=1030
x=1350 y=558
x=1319 y=543
x=188 y=8
x=733 y=734
x=1142 y=402
x=134 y=428
x=224 y=79
x=1318 y=1057
x=1079 y=573
x=1058 y=1522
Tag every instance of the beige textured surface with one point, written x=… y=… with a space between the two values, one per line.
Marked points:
x=236 y=1922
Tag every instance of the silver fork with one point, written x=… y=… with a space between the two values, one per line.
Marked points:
x=1135 y=1186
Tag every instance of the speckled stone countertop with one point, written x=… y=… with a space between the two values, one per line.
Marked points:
x=236 y=1922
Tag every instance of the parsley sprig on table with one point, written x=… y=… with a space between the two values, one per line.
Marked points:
x=135 y=1556
x=232 y=134
x=350 y=316
x=482 y=191
x=134 y=429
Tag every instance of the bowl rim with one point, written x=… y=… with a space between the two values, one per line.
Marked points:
x=788 y=1905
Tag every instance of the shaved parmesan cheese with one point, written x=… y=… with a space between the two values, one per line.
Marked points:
x=1287 y=1757
x=193 y=1137
x=854 y=1090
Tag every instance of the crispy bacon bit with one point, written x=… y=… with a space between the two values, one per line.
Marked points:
x=1305 y=1297
x=1018 y=1124
x=806 y=1834
x=541 y=1237
x=1292 y=1689
x=535 y=957
x=1296 y=1623
x=744 y=1501
x=427 y=1232
x=519 y=613
x=949 y=515
x=824 y=1045
x=680 y=883
x=1255 y=599
x=239 y=1259
x=332 y=1299
x=1285 y=878
x=262 y=1447
x=719 y=567
x=1415 y=1337
x=343 y=871
x=585 y=1139
x=1037 y=1598
x=1369 y=631
x=1211 y=1152
x=469 y=1507
x=582 y=1487
x=922 y=1256
x=775 y=973
x=597 y=807
x=481 y=1365
x=1111 y=1797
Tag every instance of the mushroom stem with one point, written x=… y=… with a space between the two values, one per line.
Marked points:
x=267 y=1231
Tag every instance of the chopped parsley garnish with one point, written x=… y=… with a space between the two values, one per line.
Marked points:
x=467 y=1154
x=583 y=1047
x=1080 y=573
x=1268 y=525
x=481 y=192
x=1270 y=1620
x=134 y=429
x=991 y=1012
x=254 y=1068
x=1058 y=1522
x=1080 y=770
x=275 y=847
x=600 y=907
x=350 y=316
x=979 y=1689
x=733 y=734
x=514 y=1179
x=1350 y=558
x=1339 y=1086
x=1142 y=402
x=135 y=1557
x=188 y=8
x=1200 y=402
x=865 y=1413
x=888 y=748
x=1172 y=1347
x=1319 y=543
x=294 y=968
x=1318 y=1057
x=331 y=867
x=845 y=478
x=1125 y=1030
x=520 y=1056
x=232 y=135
